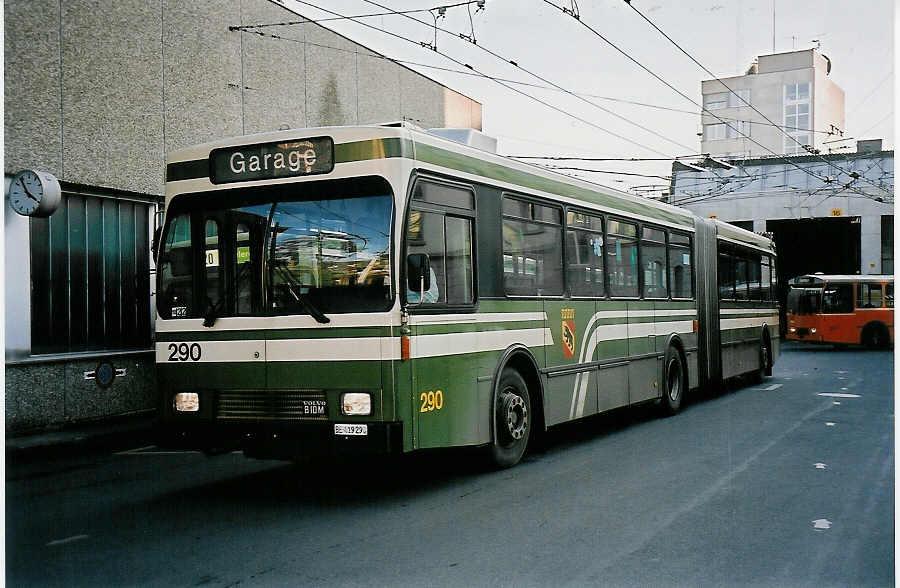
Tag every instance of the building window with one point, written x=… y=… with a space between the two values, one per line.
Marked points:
x=90 y=272
x=797 y=118
x=715 y=101
x=887 y=244
x=713 y=132
x=738 y=98
x=737 y=129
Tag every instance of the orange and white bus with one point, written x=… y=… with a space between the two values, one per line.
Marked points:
x=841 y=310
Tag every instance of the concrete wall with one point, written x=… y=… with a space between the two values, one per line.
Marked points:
x=98 y=91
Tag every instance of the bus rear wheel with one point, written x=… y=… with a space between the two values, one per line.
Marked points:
x=673 y=381
x=875 y=336
x=512 y=420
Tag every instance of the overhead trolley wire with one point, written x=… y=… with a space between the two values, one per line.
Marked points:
x=507 y=86
x=680 y=93
x=704 y=68
x=539 y=77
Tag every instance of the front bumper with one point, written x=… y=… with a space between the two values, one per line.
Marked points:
x=283 y=440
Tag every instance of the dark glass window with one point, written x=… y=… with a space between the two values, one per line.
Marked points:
x=90 y=272
x=653 y=258
x=447 y=240
x=726 y=276
x=754 y=273
x=584 y=255
x=532 y=251
x=837 y=299
x=741 y=289
x=681 y=274
x=868 y=295
x=889 y=295
x=444 y=194
x=622 y=259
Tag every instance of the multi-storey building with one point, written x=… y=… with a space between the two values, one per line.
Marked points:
x=784 y=105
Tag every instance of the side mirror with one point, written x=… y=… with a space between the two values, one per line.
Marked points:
x=418 y=272
x=155 y=246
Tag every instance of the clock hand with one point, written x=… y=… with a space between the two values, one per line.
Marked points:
x=29 y=194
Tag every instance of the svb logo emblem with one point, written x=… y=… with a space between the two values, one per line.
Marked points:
x=568 y=332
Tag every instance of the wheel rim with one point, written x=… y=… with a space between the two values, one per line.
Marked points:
x=513 y=416
x=673 y=379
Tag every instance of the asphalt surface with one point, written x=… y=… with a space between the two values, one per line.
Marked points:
x=766 y=485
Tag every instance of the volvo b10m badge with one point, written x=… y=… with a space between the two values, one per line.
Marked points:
x=568 y=332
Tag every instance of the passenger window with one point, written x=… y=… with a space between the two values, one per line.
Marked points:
x=214 y=274
x=681 y=275
x=726 y=276
x=622 y=259
x=889 y=295
x=653 y=256
x=459 y=260
x=868 y=295
x=584 y=255
x=837 y=299
x=532 y=250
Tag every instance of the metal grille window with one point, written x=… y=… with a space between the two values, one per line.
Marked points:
x=90 y=276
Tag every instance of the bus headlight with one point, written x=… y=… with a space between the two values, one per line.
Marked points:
x=186 y=402
x=356 y=403
x=793 y=329
x=813 y=330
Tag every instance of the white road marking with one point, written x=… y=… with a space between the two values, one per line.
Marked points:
x=773 y=387
x=840 y=372
x=838 y=395
x=820 y=466
x=144 y=451
x=821 y=524
x=71 y=539
x=836 y=402
x=845 y=388
x=829 y=424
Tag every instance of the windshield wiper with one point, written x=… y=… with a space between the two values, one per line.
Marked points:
x=299 y=295
x=212 y=312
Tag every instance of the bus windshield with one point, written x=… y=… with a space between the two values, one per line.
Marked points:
x=804 y=301
x=301 y=248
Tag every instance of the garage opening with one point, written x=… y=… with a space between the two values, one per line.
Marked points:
x=806 y=246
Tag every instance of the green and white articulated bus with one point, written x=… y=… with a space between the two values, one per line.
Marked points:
x=384 y=289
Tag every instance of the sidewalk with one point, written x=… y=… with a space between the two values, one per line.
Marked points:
x=118 y=434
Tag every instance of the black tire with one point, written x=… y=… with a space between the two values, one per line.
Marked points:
x=876 y=336
x=512 y=420
x=764 y=358
x=673 y=381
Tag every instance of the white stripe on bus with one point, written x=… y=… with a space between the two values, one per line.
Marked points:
x=460 y=343
x=210 y=351
x=741 y=323
x=476 y=317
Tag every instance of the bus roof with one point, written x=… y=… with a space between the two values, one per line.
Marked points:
x=819 y=279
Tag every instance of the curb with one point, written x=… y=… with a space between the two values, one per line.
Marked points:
x=89 y=439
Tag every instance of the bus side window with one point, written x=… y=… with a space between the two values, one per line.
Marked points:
x=889 y=295
x=425 y=234
x=838 y=299
x=868 y=295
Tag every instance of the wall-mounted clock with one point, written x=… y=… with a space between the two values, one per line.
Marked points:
x=34 y=193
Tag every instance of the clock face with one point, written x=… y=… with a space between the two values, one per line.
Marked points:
x=26 y=192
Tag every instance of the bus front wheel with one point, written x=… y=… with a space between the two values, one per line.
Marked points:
x=512 y=420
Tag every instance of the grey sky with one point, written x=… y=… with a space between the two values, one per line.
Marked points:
x=724 y=35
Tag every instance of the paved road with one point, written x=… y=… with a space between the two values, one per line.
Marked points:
x=772 y=485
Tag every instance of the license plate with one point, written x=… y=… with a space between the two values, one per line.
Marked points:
x=341 y=429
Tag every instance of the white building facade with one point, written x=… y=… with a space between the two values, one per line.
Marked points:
x=796 y=107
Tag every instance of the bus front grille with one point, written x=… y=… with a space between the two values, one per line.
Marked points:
x=256 y=405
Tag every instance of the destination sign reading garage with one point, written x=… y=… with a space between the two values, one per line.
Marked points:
x=268 y=161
